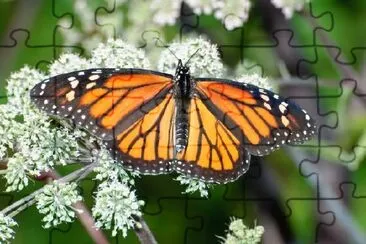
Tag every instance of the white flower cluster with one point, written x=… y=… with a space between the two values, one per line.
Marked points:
x=238 y=233
x=36 y=147
x=110 y=170
x=8 y=129
x=289 y=6
x=26 y=134
x=193 y=185
x=165 y=12
x=255 y=79
x=18 y=87
x=62 y=64
x=116 y=207
x=6 y=231
x=112 y=54
x=118 y=54
x=56 y=201
x=232 y=13
x=204 y=58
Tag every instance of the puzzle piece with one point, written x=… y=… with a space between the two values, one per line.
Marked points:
x=297 y=209
x=175 y=211
x=87 y=23
x=343 y=217
x=282 y=194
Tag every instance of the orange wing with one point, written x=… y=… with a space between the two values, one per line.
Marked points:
x=146 y=145
x=213 y=153
x=260 y=119
x=103 y=101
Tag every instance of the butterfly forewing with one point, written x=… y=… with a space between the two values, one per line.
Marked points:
x=102 y=100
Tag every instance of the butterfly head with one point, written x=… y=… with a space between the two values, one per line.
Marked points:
x=181 y=71
x=184 y=68
x=183 y=79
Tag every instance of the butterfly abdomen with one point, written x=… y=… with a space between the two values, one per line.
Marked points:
x=183 y=95
x=181 y=124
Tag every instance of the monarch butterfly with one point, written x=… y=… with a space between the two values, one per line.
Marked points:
x=156 y=123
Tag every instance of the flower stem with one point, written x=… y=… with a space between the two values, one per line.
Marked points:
x=144 y=233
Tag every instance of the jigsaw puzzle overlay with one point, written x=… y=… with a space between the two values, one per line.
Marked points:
x=309 y=193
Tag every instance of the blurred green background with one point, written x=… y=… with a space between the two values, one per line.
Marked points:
x=291 y=203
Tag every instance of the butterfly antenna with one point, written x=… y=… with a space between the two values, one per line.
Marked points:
x=158 y=40
x=192 y=56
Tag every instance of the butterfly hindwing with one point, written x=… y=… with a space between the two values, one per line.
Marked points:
x=147 y=144
x=259 y=118
x=213 y=153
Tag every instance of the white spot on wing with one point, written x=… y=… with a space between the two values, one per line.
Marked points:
x=94 y=77
x=265 y=97
x=74 y=84
x=90 y=85
x=267 y=106
x=285 y=121
x=70 y=96
x=282 y=108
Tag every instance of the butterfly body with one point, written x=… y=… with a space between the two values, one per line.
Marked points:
x=157 y=123
x=183 y=94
